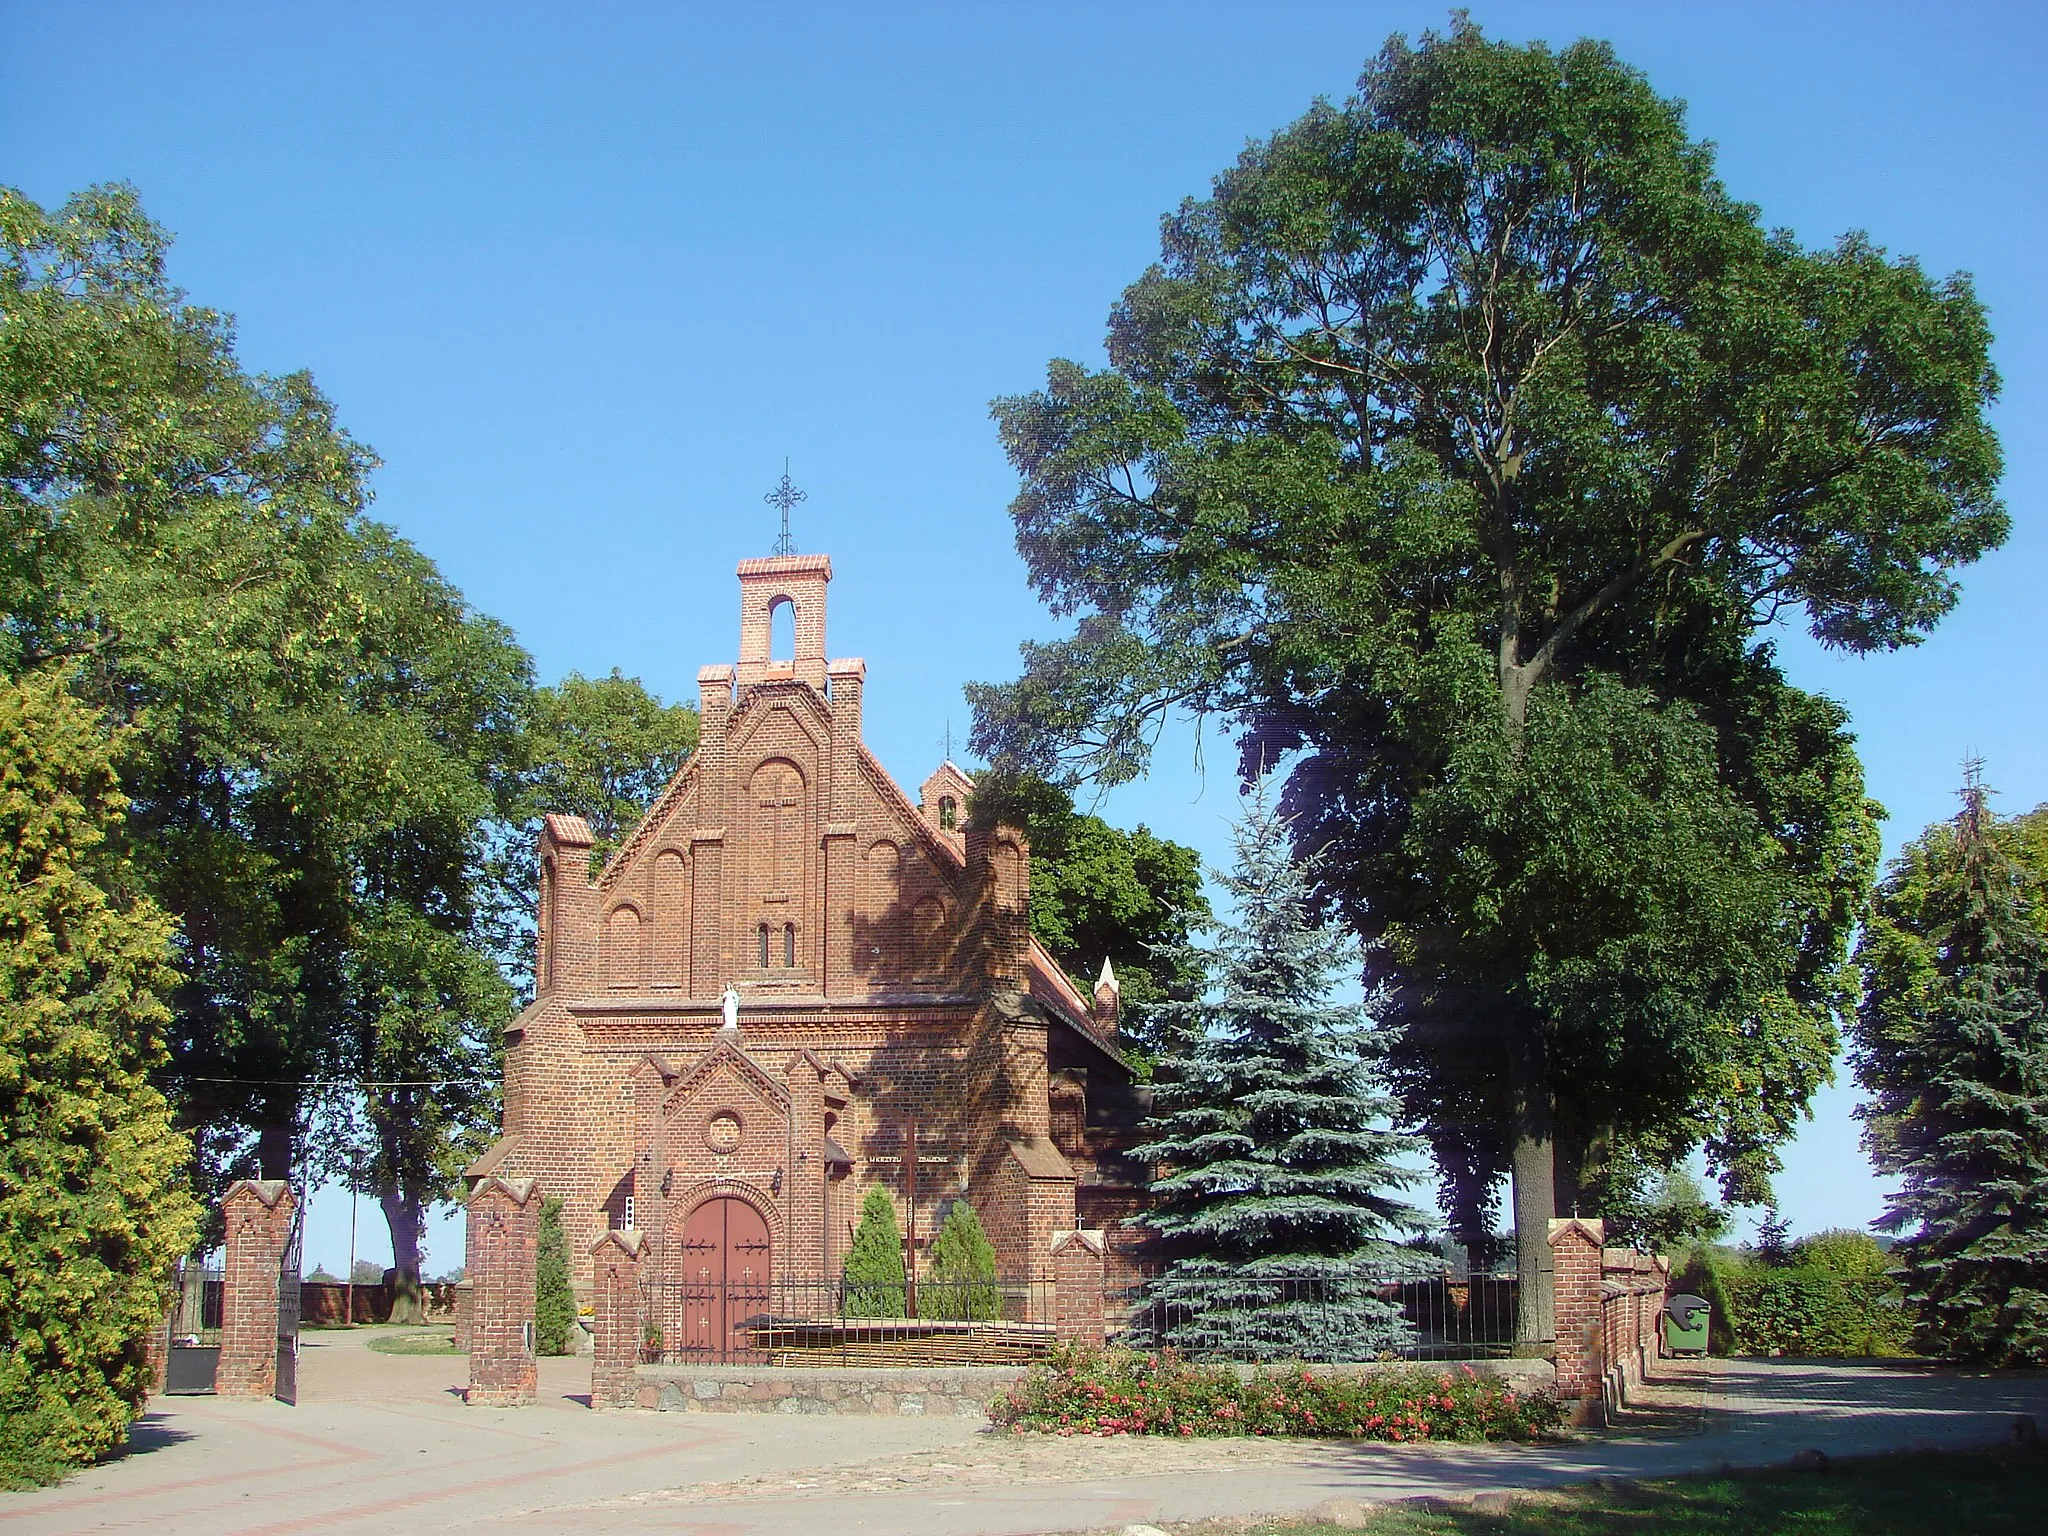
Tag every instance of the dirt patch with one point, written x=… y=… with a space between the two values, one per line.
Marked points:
x=995 y=1459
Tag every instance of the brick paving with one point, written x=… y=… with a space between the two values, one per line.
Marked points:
x=382 y=1442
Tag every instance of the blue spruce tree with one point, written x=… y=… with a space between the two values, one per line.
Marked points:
x=1968 y=1128
x=1277 y=1205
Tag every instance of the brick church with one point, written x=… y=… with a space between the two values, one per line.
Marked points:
x=885 y=977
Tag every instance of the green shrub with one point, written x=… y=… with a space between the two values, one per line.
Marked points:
x=961 y=1279
x=1800 y=1310
x=94 y=1206
x=1124 y=1392
x=874 y=1265
x=554 y=1304
x=1842 y=1251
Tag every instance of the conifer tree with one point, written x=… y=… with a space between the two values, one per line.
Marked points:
x=1277 y=1206
x=875 y=1282
x=961 y=1279
x=1960 y=1106
x=554 y=1303
x=93 y=1200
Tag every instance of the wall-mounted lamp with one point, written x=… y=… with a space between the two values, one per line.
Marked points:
x=668 y=1180
x=775 y=1184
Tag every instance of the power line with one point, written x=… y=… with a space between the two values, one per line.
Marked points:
x=325 y=1082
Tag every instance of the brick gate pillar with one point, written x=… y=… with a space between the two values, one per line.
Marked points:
x=259 y=1224
x=1576 y=1250
x=504 y=1239
x=616 y=1326
x=1077 y=1286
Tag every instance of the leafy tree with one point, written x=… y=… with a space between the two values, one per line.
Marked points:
x=960 y=1270
x=554 y=1304
x=1673 y=1216
x=1461 y=443
x=1843 y=1251
x=94 y=1206
x=1275 y=1209
x=320 y=729
x=604 y=749
x=1100 y=893
x=1774 y=1240
x=1956 y=1063
x=875 y=1283
x=189 y=540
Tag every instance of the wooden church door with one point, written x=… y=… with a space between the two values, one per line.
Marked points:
x=725 y=1277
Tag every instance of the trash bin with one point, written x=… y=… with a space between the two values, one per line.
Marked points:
x=1685 y=1324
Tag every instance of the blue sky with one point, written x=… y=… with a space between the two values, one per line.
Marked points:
x=585 y=276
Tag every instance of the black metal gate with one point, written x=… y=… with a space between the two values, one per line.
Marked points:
x=287 y=1388
x=192 y=1350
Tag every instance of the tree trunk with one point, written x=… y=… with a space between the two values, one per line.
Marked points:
x=274 y=1146
x=1535 y=1185
x=405 y=1215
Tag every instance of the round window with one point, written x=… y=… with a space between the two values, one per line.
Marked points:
x=723 y=1133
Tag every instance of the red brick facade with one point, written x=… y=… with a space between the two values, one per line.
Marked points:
x=504 y=1243
x=258 y=1214
x=1608 y=1304
x=885 y=974
x=616 y=1319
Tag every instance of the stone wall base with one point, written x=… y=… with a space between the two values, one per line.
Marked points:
x=941 y=1391
x=938 y=1391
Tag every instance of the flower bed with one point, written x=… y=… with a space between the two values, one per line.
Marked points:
x=1124 y=1392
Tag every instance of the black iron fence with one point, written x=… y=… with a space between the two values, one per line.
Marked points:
x=1004 y=1321
x=1327 y=1316
x=1013 y=1320
x=197 y=1297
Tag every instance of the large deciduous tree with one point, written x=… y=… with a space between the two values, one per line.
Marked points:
x=320 y=730
x=1099 y=893
x=1951 y=1044
x=1465 y=442
x=94 y=1201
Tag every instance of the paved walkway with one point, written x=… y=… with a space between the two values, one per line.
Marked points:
x=381 y=1443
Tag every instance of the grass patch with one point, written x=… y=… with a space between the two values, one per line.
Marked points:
x=1921 y=1493
x=431 y=1341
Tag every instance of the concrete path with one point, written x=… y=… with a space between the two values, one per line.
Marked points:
x=382 y=1443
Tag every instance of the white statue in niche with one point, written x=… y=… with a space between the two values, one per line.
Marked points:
x=731 y=1004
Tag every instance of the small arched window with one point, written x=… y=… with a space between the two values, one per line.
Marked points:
x=781 y=630
x=764 y=946
x=789 y=945
x=949 y=812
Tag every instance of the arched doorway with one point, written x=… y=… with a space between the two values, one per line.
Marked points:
x=724 y=1256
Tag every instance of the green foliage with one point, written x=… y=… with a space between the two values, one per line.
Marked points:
x=874 y=1277
x=1952 y=1046
x=1100 y=893
x=1123 y=1392
x=1774 y=1240
x=603 y=749
x=1673 y=1217
x=1797 y=1310
x=1269 y=1118
x=94 y=1205
x=1822 y=1300
x=960 y=1271
x=320 y=731
x=554 y=1304
x=1462 y=442
x=1842 y=1251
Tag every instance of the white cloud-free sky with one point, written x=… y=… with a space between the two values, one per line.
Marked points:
x=585 y=276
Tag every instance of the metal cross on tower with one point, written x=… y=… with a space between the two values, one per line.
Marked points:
x=785 y=496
